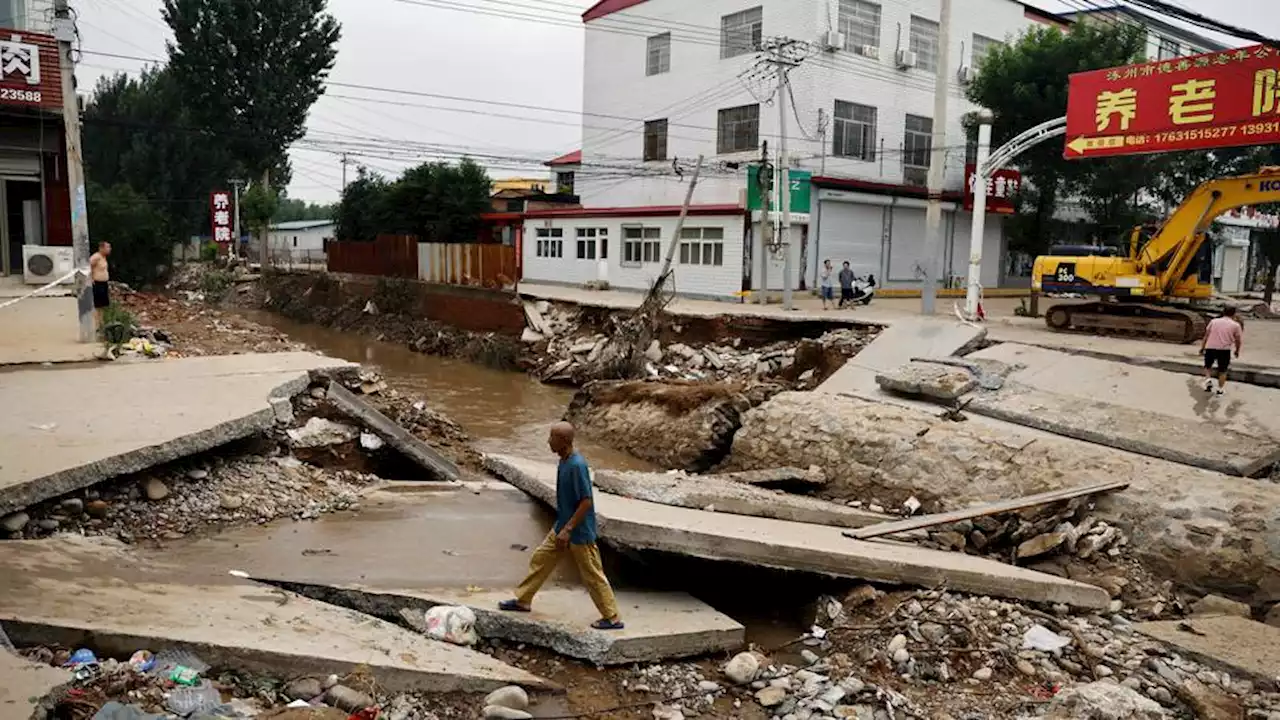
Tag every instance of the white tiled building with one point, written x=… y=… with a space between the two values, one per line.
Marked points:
x=667 y=80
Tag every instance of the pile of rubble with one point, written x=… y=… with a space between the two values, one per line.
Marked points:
x=935 y=654
x=186 y=328
x=194 y=496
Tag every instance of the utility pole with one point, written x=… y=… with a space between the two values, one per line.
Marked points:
x=764 y=183
x=684 y=213
x=65 y=32
x=981 y=173
x=937 y=164
x=236 y=184
x=783 y=63
x=345 y=162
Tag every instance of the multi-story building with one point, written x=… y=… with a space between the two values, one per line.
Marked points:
x=35 y=201
x=1164 y=41
x=668 y=80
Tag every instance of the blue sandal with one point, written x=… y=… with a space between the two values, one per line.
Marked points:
x=513 y=606
x=606 y=624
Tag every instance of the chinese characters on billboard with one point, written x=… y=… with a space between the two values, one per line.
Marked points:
x=1001 y=187
x=1203 y=101
x=220 y=202
x=29 y=71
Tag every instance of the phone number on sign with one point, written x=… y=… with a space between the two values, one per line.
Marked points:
x=1213 y=133
x=31 y=96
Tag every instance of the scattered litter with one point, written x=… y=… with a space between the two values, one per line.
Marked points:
x=238 y=573
x=911 y=506
x=298 y=704
x=142 y=661
x=448 y=623
x=817 y=632
x=519 y=547
x=115 y=711
x=1039 y=637
x=189 y=700
x=83 y=656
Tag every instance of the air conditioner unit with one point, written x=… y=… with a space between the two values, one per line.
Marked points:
x=833 y=41
x=906 y=59
x=42 y=264
x=871 y=51
x=965 y=74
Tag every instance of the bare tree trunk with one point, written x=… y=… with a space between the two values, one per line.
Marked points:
x=264 y=253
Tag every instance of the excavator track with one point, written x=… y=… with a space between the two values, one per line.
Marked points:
x=1158 y=322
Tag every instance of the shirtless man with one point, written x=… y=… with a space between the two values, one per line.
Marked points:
x=100 y=273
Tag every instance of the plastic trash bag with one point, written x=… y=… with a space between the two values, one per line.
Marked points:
x=452 y=624
x=1039 y=637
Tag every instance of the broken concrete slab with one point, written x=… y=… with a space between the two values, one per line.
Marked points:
x=1246 y=409
x=23 y=683
x=1141 y=431
x=75 y=592
x=932 y=380
x=408 y=549
x=396 y=436
x=797 y=546
x=715 y=494
x=784 y=478
x=896 y=346
x=70 y=428
x=1240 y=645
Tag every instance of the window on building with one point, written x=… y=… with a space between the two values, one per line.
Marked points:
x=981 y=46
x=550 y=243
x=702 y=246
x=854 y=131
x=1168 y=48
x=593 y=242
x=295 y=241
x=860 y=23
x=659 y=56
x=564 y=182
x=739 y=129
x=917 y=149
x=924 y=43
x=13 y=14
x=741 y=32
x=655 y=140
x=641 y=245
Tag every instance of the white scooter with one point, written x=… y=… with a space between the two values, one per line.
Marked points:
x=864 y=295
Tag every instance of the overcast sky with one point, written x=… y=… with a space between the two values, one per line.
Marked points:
x=463 y=48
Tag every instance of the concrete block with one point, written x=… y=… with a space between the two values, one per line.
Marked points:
x=70 y=429
x=399 y=438
x=897 y=345
x=1242 y=646
x=798 y=546
x=932 y=380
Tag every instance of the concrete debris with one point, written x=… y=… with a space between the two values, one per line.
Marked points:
x=1243 y=647
x=1040 y=544
x=322 y=432
x=1218 y=605
x=397 y=436
x=932 y=380
x=512 y=696
x=743 y=668
x=345 y=698
x=1103 y=701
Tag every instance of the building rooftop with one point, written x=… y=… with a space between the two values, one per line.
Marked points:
x=302 y=224
x=573 y=158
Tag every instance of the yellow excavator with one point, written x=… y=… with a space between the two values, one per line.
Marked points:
x=1156 y=290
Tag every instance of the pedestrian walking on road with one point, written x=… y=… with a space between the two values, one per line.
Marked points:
x=574 y=531
x=846 y=285
x=100 y=274
x=828 y=284
x=1223 y=335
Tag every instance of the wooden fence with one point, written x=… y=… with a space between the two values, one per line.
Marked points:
x=387 y=256
x=487 y=265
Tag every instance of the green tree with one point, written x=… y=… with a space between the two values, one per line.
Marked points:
x=251 y=70
x=438 y=202
x=141 y=242
x=138 y=132
x=293 y=209
x=361 y=214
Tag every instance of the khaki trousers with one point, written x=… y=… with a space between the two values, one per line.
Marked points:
x=586 y=557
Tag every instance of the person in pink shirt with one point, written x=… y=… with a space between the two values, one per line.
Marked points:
x=1223 y=335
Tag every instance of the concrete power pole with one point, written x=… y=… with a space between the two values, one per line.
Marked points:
x=236 y=184
x=345 y=161
x=784 y=64
x=764 y=181
x=65 y=32
x=937 y=164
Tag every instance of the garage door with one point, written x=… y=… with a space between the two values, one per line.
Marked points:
x=19 y=164
x=852 y=232
x=906 y=248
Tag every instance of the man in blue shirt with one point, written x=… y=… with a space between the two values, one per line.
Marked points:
x=575 y=531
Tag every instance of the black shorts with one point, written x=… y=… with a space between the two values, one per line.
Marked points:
x=1221 y=357
x=100 y=295
x=846 y=294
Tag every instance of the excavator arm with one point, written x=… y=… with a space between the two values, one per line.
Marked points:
x=1171 y=250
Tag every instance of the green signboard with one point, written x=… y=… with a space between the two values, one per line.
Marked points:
x=801 y=190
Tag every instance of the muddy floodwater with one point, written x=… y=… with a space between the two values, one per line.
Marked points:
x=506 y=412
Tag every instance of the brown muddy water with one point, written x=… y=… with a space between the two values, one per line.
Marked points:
x=505 y=412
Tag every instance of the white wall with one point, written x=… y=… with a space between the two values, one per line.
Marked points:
x=697 y=280
x=309 y=242
x=700 y=83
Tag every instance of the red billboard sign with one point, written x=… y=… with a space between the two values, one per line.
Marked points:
x=1202 y=101
x=220 y=206
x=1001 y=187
x=30 y=74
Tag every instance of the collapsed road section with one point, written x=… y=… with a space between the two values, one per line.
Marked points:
x=68 y=429
x=797 y=546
